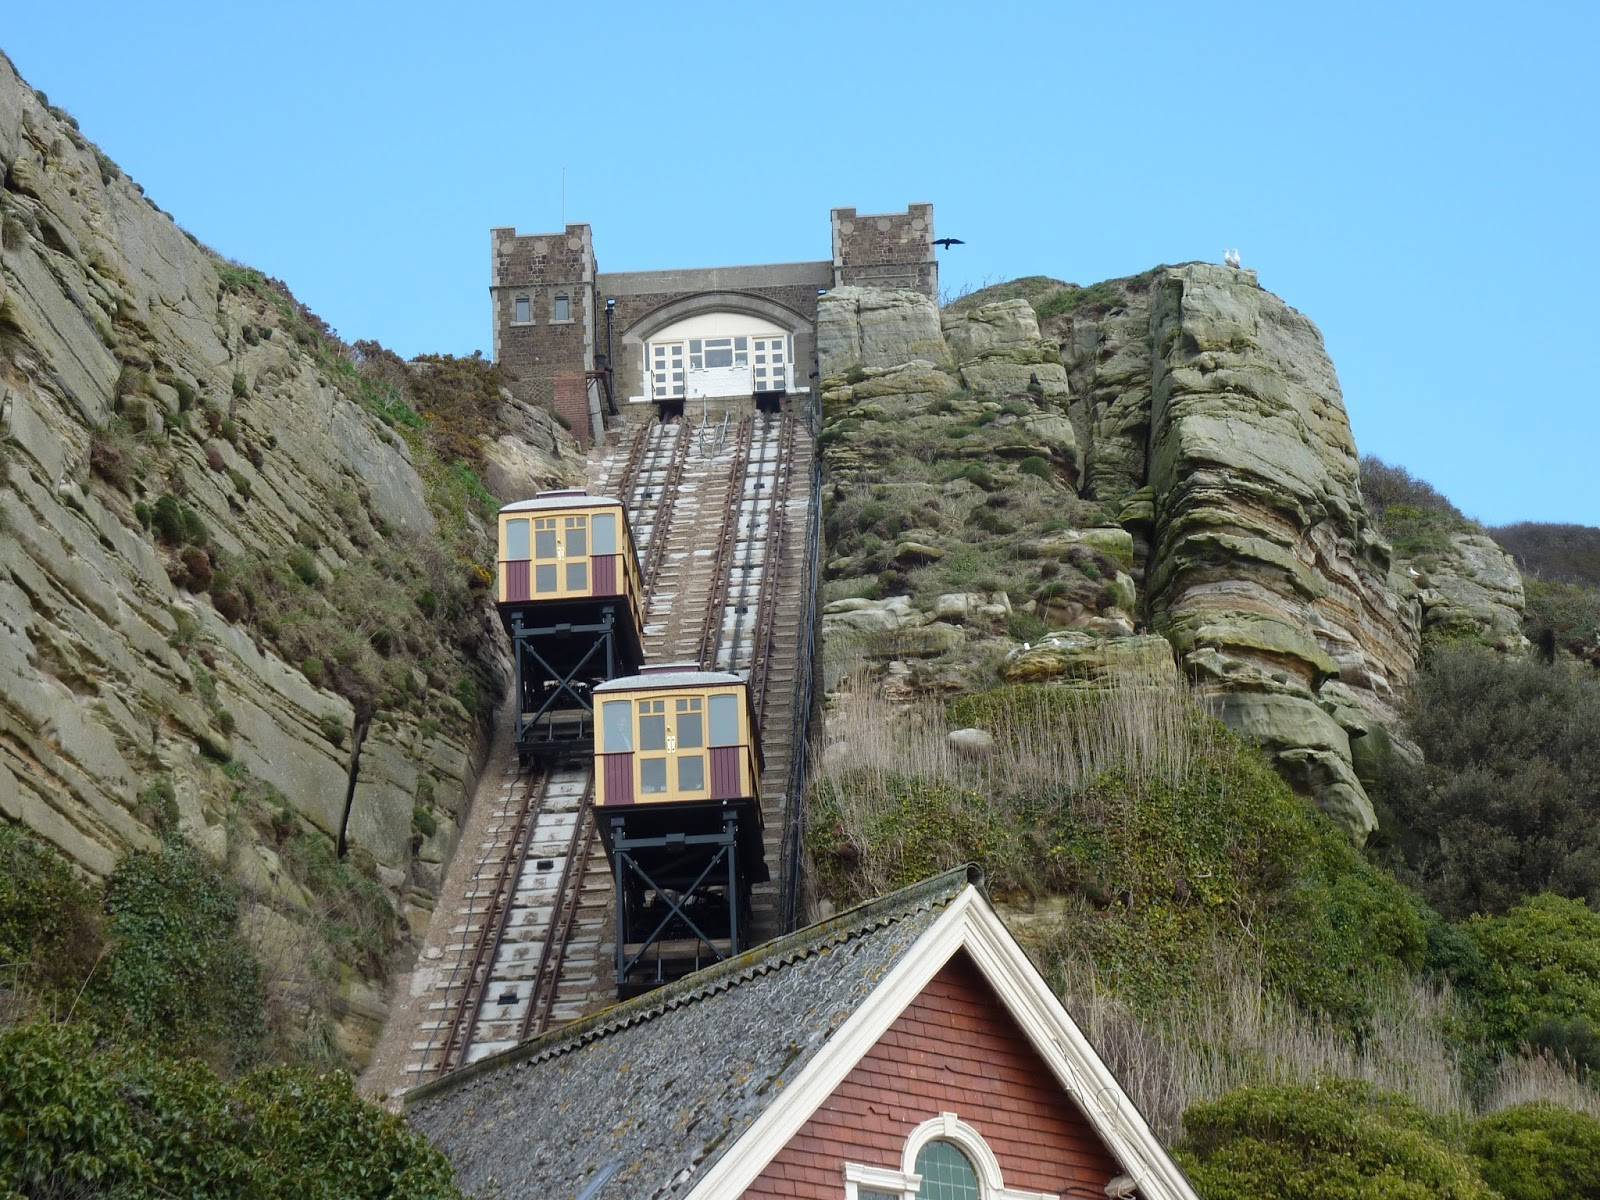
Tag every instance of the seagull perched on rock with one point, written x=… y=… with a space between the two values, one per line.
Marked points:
x=1231 y=257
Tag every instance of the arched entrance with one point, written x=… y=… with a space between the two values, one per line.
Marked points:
x=715 y=345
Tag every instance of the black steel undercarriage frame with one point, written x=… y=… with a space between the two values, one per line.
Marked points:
x=677 y=887
x=557 y=666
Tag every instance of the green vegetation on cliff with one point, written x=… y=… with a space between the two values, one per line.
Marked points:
x=1169 y=839
x=1503 y=805
x=82 y=1116
x=127 y=1014
x=1348 y=1141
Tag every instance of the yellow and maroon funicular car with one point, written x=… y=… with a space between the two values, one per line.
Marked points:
x=570 y=594
x=677 y=801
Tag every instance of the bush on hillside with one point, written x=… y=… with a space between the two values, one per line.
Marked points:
x=1413 y=515
x=1539 y=1152
x=1504 y=806
x=90 y=1118
x=1559 y=553
x=1385 y=486
x=1338 y=1141
x=1539 y=979
x=177 y=971
x=50 y=926
x=1562 y=616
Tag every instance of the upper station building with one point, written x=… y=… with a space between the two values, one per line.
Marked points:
x=671 y=338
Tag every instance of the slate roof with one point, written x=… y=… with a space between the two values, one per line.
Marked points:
x=636 y=1101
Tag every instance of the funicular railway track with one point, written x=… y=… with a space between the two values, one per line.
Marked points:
x=530 y=951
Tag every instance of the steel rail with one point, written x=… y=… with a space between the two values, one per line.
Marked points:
x=493 y=931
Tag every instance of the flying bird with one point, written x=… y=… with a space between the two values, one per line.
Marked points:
x=948 y=242
x=1231 y=257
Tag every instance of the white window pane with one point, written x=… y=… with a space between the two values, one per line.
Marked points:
x=577 y=577
x=544 y=579
x=690 y=732
x=617 y=717
x=604 y=528
x=692 y=773
x=725 y=720
x=653 y=733
x=517 y=540
x=653 y=776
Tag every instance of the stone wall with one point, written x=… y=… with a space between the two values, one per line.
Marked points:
x=887 y=250
x=541 y=268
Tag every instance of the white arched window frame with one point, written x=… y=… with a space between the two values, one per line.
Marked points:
x=863 y=1182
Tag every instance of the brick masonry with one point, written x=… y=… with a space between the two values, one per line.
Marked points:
x=571 y=403
x=954 y=1049
x=893 y=250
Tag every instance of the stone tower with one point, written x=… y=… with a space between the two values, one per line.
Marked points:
x=543 y=293
x=887 y=251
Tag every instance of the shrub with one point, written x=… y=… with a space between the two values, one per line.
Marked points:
x=1564 y=616
x=214 y=458
x=178 y=973
x=311 y=668
x=197 y=569
x=186 y=394
x=1036 y=466
x=111 y=458
x=1097 y=298
x=101 y=1119
x=304 y=566
x=422 y=820
x=241 y=389
x=50 y=926
x=1504 y=806
x=241 y=482
x=1339 y=1140
x=1560 y=553
x=1384 y=486
x=1543 y=966
x=1171 y=836
x=332 y=729
x=158 y=807
x=229 y=603
x=1539 y=1152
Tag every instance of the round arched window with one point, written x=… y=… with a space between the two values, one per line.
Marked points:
x=947 y=1173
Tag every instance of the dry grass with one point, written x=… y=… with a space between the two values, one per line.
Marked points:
x=1046 y=742
x=1235 y=1033
x=1057 y=738
x=1541 y=1079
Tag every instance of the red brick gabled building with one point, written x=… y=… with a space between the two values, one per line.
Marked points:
x=907 y=1049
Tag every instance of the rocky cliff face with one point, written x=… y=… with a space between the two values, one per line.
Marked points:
x=173 y=434
x=1201 y=415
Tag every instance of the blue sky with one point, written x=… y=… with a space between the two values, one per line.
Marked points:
x=1420 y=179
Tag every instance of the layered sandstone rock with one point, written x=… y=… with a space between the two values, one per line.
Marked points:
x=112 y=675
x=1203 y=413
